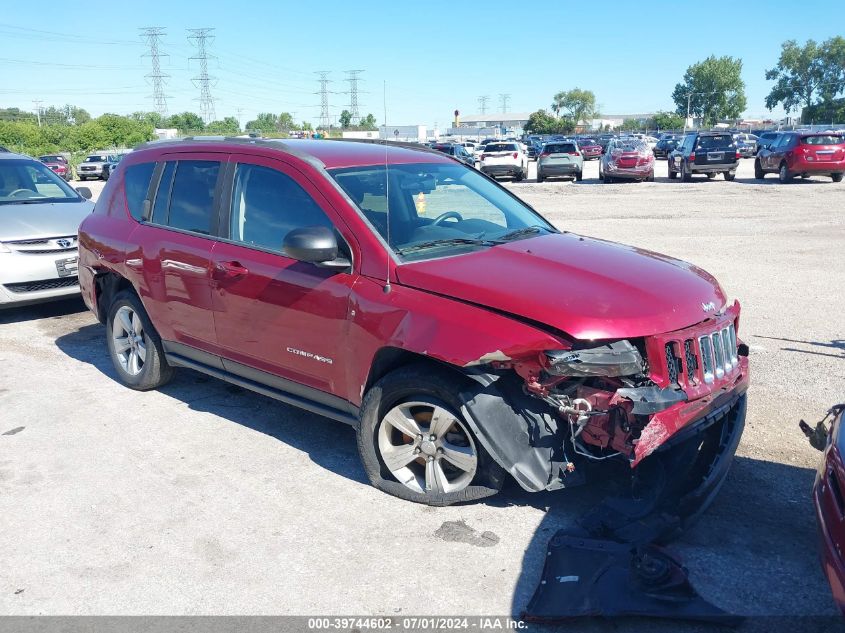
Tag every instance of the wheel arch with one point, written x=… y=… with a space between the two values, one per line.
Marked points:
x=106 y=286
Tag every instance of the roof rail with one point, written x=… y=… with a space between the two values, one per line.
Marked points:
x=277 y=144
x=385 y=141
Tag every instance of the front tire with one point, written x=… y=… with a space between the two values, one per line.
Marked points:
x=783 y=174
x=759 y=174
x=836 y=177
x=134 y=345
x=400 y=415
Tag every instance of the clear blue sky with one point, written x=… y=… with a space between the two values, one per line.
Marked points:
x=435 y=56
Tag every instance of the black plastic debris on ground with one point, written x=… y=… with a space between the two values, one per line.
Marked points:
x=586 y=577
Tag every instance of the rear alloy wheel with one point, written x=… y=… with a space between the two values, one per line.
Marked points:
x=415 y=445
x=783 y=174
x=836 y=177
x=134 y=346
x=759 y=174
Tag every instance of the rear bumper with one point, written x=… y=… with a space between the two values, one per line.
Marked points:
x=634 y=173
x=716 y=168
x=501 y=170
x=815 y=167
x=566 y=169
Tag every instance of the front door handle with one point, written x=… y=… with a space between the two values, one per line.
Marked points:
x=229 y=270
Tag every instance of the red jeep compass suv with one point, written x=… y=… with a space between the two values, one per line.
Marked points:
x=402 y=292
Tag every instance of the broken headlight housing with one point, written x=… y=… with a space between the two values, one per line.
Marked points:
x=620 y=358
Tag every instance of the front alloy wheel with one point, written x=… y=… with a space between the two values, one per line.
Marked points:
x=427 y=449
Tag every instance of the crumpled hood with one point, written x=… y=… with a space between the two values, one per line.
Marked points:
x=588 y=288
x=50 y=219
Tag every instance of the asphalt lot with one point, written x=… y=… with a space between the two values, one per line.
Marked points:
x=206 y=499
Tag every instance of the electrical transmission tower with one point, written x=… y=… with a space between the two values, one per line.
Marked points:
x=200 y=38
x=152 y=35
x=483 y=100
x=325 y=120
x=353 y=95
x=503 y=100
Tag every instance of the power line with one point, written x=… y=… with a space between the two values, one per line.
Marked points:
x=37 y=104
x=483 y=100
x=503 y=100
x=353 y=95
x=199 y=38
x=325 y=121
x=153 y=35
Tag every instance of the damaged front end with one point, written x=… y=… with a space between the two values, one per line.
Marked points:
x=545 y=415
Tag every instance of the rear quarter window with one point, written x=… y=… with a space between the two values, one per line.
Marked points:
x=136 y=182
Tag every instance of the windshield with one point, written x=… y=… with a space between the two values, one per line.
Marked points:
x=25 y=181
x=96 y=159
x=437 y=209
x=52 y=159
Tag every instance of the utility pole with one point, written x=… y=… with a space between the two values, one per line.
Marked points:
x=353 y=80
x=240 y=112
x=200 y=38
x=482 y=103
x=503 y=100
x=37 y=104
x=152 y=35
x=325 y=121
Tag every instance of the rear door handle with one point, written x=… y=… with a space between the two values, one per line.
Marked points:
x=229 y=270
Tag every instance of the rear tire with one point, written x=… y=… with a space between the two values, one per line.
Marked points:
x=783 y=174
x=836 y=177
x=608 y=179
x=431 y=392
x=805 y=176
x=711 y=176
x=759 y=174
x=672 y=173
x=579 y=176
x=540 y=178
x=134 y=345
x=729 y=175
x=686 y=175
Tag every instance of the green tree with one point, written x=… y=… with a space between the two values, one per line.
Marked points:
x=542 y=122
x=186 y=122
x=631 y=125
x=576 y=104
x=153 y=118
x=666 y=121
x=806 y=75
x=714 y=88
x=265 y=122
x=286 y=121
x=306 y=126
x=16 y=114
x=345 y=119
x=368 y=123
x=227 y=126
x=832 y=111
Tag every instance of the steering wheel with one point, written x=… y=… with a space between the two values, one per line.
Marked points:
x=14 y=194
x=445 y=216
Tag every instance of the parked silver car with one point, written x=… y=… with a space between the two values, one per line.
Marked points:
x=39 y=222
x=560 y=158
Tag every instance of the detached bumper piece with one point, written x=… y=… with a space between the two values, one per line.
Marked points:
x=586 y=577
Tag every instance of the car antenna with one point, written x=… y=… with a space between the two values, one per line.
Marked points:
x=386 y=190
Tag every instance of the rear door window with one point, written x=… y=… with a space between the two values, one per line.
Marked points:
x=136 y=182
x=191 y=199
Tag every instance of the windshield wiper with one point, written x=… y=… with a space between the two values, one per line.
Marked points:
x=451 y=241
x=528 y=230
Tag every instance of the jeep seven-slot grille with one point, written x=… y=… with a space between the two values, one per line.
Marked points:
x=715 y=355
x=46 y=284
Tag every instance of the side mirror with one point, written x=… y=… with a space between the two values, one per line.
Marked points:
x=312 y=244
x=85 y=192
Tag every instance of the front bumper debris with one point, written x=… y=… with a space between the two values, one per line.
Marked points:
x=587 y=577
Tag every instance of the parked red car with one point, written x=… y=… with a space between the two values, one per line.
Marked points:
x=58 y=164
x=398 y=290
x=626 y=159
x=589 y=148
x=803 y=154
x=829 y=501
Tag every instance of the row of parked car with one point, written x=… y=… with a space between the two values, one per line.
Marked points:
x=97 y=166
x=632 y=157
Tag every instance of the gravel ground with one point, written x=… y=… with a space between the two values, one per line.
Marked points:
x=206 y=499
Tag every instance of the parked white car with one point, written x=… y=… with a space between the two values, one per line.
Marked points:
x=505 y=159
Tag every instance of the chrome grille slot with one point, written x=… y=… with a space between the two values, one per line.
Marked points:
x=718 y=355
x=707 y=357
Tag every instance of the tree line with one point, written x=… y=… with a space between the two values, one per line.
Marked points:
x=808 y=80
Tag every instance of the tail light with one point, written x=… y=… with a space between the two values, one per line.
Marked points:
x=692 y=156
x=738 y=155
x=544 y=154
x=515 y=154
x=573 y=153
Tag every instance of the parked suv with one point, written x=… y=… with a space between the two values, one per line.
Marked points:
x=560 y=159
x=504 y=158
x=39 y=217
x=707 y=153
x=803 y=154
x=58 y=164
x=393 y=288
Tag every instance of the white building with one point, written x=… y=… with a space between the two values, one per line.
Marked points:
x=413 y=133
